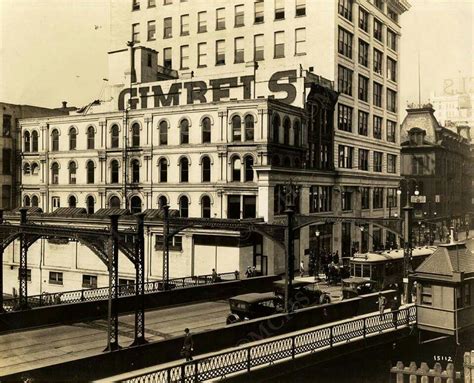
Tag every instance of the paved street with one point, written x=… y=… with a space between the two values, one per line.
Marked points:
x=31 y=349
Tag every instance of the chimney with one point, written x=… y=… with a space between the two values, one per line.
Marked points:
x=64 y=104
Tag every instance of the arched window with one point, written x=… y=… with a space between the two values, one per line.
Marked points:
x=184 y=169
x=27 y=141
x=183 y=206
x=26 y=169
x=163 y=164
x=286 y=131
x=287 y=162
x=135 y=204
x=55 y=140
x=90 y=137
x=275 y=160
x=297 y=133
x=162 y=201
x=72 y=138
x=206 y=169
x=248 y=162
x=206 y=207
x=114 y=136
x=72 y=172
x=135 y=135
x=34 y=168
x=114 y=202
x=90 y=205
x=184 y=131
x=90 y=172
x=249 y=127
x=34 y=141
x=72 y=202
x=55 y=173
x=236 y=167
x=236 y=129
x=26 y=201
x=276 y=128
x=206 y=130
x=114 y=172
x=135 y=171
x=163 y=133
x=34 y=201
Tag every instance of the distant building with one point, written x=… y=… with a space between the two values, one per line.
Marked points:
x=10 y=145
x=439 y=159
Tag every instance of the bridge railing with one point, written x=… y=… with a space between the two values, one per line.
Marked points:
x=245 y=358
x=94 y=294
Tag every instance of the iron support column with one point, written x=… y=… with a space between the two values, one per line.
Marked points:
x=290 y=262
x=1 y=268
x=166 y=247
x=140 y=283
x=23 y=274
x=112 y=255
x=407 y=249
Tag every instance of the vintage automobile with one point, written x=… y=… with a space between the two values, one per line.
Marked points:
x=304 y=293
x=253 y=305
x=354 y=286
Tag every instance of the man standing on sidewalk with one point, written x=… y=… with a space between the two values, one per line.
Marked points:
x=188 y=346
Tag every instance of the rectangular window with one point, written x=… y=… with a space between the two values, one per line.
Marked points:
x=184 y=51
x=363 y=53
x=136 y=5
x=320 y=199
x=378 y=162
x=363 y=20
x=391 y=163
x=259 y=15
x=392 y=40
x=379 y=4
x=426 y=295
x=167 y=28
x=220 y=19
x=202 y=22
x=391 y=100
x=184 y=25
x=55 y=202
x=233 y=206
x=239 y=16
x=392 y=14
x=378 y=30
x=258 y=54
x=279 y=45
x=345 y=156
x=345 y=9
x=417 y=165
x=377 y=198
x=89 y=281
x=391 y=128
x=28 y=275
x=378 y=94
x=300 y=8
x=345 y=80
x=6 y=161
x=249 y=206
x=7 y=125
x=279 y=9
x=167 y=58
x=6 y=197
x=346 y=201
x=378 y=61
x=392 y=197
x=363 y=159
x=239 y=50
x=365 y=198
x=151 y=3
x=202 y=55
x=220 y=52
x=363 y=123
x=151 y=33
x=300 y=41
x=167 y=2
x=345 y=43
x=363 y=88
x=344 y=118
x=136 y=33
x=378 y=127
x=391 y=69
x=55 y=278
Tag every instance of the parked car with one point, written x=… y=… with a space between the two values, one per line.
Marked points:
x=304 y=293
x=354 y=286
x=253 y=305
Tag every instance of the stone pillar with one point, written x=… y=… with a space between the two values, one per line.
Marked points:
x=469 y=367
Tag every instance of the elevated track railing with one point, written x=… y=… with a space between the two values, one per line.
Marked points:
x=95 y=294
x=244 y=359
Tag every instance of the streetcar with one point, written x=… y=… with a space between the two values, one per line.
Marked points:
x=385 y=268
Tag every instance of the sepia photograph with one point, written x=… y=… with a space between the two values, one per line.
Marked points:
x=237 y=191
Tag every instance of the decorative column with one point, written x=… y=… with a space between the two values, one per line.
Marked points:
x=112 y=255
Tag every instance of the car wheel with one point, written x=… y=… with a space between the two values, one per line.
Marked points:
x=326 y=299
x=232 y=318
x=296 y=306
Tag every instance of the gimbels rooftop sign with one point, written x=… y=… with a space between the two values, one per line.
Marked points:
x=172 y=93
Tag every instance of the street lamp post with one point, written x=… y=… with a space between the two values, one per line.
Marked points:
x=318 y=254
x=289 y=239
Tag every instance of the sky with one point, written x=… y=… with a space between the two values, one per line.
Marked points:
x=56 y=50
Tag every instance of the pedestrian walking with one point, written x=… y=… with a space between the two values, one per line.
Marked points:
x=467 y=231
x=214 y=277
x=382 y=301
x=237 y=274
x=394 y=307
x=248 y=272
x=254 y=271
x=188 y=346
x=301 y=269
